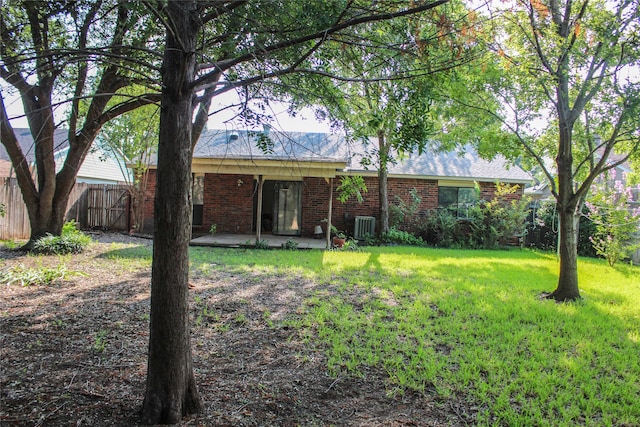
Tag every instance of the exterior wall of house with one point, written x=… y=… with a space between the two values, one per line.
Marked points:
x=488 y=191
x=149 y=197
x=229 y=202
x=315 y=204
x=344 y=214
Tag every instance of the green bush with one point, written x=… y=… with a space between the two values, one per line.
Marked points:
x=442 y=229
x=25 y=276
x=400 y=237
x=403 y=215
x=261 y=244
x=489 y=223
x=290 y=245
x=616 y=224
x=493 y=223
x=71 y=241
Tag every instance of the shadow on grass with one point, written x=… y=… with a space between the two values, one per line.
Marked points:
x=138 y=252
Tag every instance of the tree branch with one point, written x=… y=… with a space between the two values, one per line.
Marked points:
x=18 y=160
x=82 y=67
x=225 y=65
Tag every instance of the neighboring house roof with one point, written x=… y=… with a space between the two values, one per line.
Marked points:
x=229 y=146
x=540 y=191
x=25 y=140
x=97 y=167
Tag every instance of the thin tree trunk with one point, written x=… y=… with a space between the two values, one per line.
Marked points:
x=171 y=388
x=567 y=289
x=383 y=194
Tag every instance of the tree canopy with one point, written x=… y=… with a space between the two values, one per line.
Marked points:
x=568 y=88
x=66 y=61
x=386 y=86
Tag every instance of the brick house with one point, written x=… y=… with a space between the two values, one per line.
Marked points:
x=248 y=182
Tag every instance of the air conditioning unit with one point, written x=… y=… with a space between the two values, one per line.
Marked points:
x=365 y=226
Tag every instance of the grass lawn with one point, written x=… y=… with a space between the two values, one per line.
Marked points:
x=467 y=325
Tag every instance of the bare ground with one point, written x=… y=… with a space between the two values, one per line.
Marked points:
x=74 y=354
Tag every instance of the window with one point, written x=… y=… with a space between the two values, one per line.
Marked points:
x=457 y=200
x=198 y=199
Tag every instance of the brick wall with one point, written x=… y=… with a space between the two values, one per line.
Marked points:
x=315 y=204
x=229 y=201
x=344 y=214
x=149 y=198
x=488 y=191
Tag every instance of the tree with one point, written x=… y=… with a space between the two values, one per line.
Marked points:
x=567 y=93
x=74 y=56
x=391 y=85
x=210 y=48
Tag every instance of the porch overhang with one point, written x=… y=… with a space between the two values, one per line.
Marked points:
x=289 y=169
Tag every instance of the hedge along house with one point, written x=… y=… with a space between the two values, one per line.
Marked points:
x=281 y=183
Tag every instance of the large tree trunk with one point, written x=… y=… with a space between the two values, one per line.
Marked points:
x=171 y=388
x=46 y=200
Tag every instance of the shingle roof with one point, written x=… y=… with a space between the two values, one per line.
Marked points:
x=60 y=141
x=244 y=144
x=301 y=146
x=95 y=168
x=466 y=164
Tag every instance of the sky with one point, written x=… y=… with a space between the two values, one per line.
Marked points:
x=305 y=121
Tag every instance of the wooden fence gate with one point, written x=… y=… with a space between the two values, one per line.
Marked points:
x=92 y=206
x=107 y=208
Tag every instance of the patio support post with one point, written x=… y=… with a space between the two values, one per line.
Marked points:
x=259 y=210
x=330 y=213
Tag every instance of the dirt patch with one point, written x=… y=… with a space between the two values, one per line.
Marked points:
x=74 y=353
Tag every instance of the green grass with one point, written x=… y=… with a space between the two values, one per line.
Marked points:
x=468 y=325
x=128 y=257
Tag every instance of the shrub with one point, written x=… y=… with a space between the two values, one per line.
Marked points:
x=290 y=245
x=70 y=241
x=25 y=276
x=441 y=229
x=403 y=214
x=616 y=224
x=492 y=223
x=401 y=238
x=543 y=229
x=261 y=244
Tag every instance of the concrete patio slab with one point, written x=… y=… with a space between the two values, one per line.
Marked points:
x=241 y=240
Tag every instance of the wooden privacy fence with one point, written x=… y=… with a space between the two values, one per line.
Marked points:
x=92 y=206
